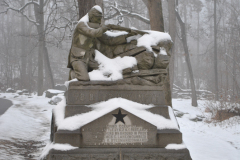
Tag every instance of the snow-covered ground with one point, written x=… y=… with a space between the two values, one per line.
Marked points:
x=25 y=129
x=207 y=141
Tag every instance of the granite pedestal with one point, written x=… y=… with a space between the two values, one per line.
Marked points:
x=105 y=138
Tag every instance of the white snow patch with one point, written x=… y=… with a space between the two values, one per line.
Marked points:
x=102 y=108
x=163 y=51
x=176 y=146
x=59 y=111
x=67 y=82
x=135 y=71
x=84 y=19
x=55 y=146
x=152 y=39
x=55 y=91
x=111 y=69
x=116 y=34
x=97 y=7
x=136 y=37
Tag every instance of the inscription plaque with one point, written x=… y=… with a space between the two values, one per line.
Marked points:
x=131 y=131
x=124 y=134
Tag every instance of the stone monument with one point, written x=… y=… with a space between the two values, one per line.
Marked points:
x=129 y=118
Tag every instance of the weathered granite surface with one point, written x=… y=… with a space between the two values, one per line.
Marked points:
x=109 y=131
x=79 y=94
x=120 y=154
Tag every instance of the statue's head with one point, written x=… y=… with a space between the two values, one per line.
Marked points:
x=95 y=15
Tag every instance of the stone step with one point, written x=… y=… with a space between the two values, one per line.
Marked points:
x=120 y=154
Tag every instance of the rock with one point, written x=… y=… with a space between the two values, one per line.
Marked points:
x=141 y=81
x=25 y=91
x=19 y=92
x=145 y=60
x=161 y=61
x=53 y=92
x=127 y=71
x=61 y=87
x=10 y=90
x=179 y=114
x=55 y=100
x=154 y=79
x=197 y=119
x=132 y=52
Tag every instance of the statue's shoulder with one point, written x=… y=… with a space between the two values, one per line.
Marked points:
x=81 y=25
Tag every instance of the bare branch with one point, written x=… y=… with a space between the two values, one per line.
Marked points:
x=27 y=4
x=125 y=13
x=20 y=11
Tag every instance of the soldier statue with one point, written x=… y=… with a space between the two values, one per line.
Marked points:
x=88 y=36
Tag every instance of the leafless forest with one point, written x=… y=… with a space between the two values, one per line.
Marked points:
x=35 y=38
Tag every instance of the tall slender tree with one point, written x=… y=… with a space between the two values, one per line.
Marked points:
x=215 y=51
x=187 y=58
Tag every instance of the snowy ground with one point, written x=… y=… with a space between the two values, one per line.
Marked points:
x=208 y=141
x=25 y=129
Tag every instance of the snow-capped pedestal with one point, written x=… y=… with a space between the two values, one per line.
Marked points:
x=99 y=119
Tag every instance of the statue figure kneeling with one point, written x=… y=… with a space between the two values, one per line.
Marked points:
x=89 y=35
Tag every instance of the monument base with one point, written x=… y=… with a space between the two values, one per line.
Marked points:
x=120 y=154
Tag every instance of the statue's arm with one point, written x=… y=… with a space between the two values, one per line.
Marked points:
x=90 y=32
x=122 y=39
x=109 y=40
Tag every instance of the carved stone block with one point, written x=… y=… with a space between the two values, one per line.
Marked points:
x=84 y=95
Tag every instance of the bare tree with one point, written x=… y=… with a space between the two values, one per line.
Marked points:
x=215 y=51
x=39 y=23
x=172 y=32
x=187 y=58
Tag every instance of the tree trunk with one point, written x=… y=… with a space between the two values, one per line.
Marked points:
x=184 y=41
x=40 y=29
x=198 y=53
x=215 y=51
x=48 y=70
x=156 y=15
x=172 y=32
x=23 y=53
x=42 y=54
x=84 y=6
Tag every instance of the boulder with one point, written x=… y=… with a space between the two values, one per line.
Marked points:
x=145 y=60
x=55 y=100
x=10 y=90
x=53 y=92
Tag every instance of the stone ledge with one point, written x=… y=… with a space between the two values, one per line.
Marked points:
x=120 y=154
x=72 y=110
x=85 y=95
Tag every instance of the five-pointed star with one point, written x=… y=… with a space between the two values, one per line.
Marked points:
x=119 y=116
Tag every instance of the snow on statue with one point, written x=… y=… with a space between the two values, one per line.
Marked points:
x=99 y=54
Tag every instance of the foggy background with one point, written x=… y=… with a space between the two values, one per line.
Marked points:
x=21 y=29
